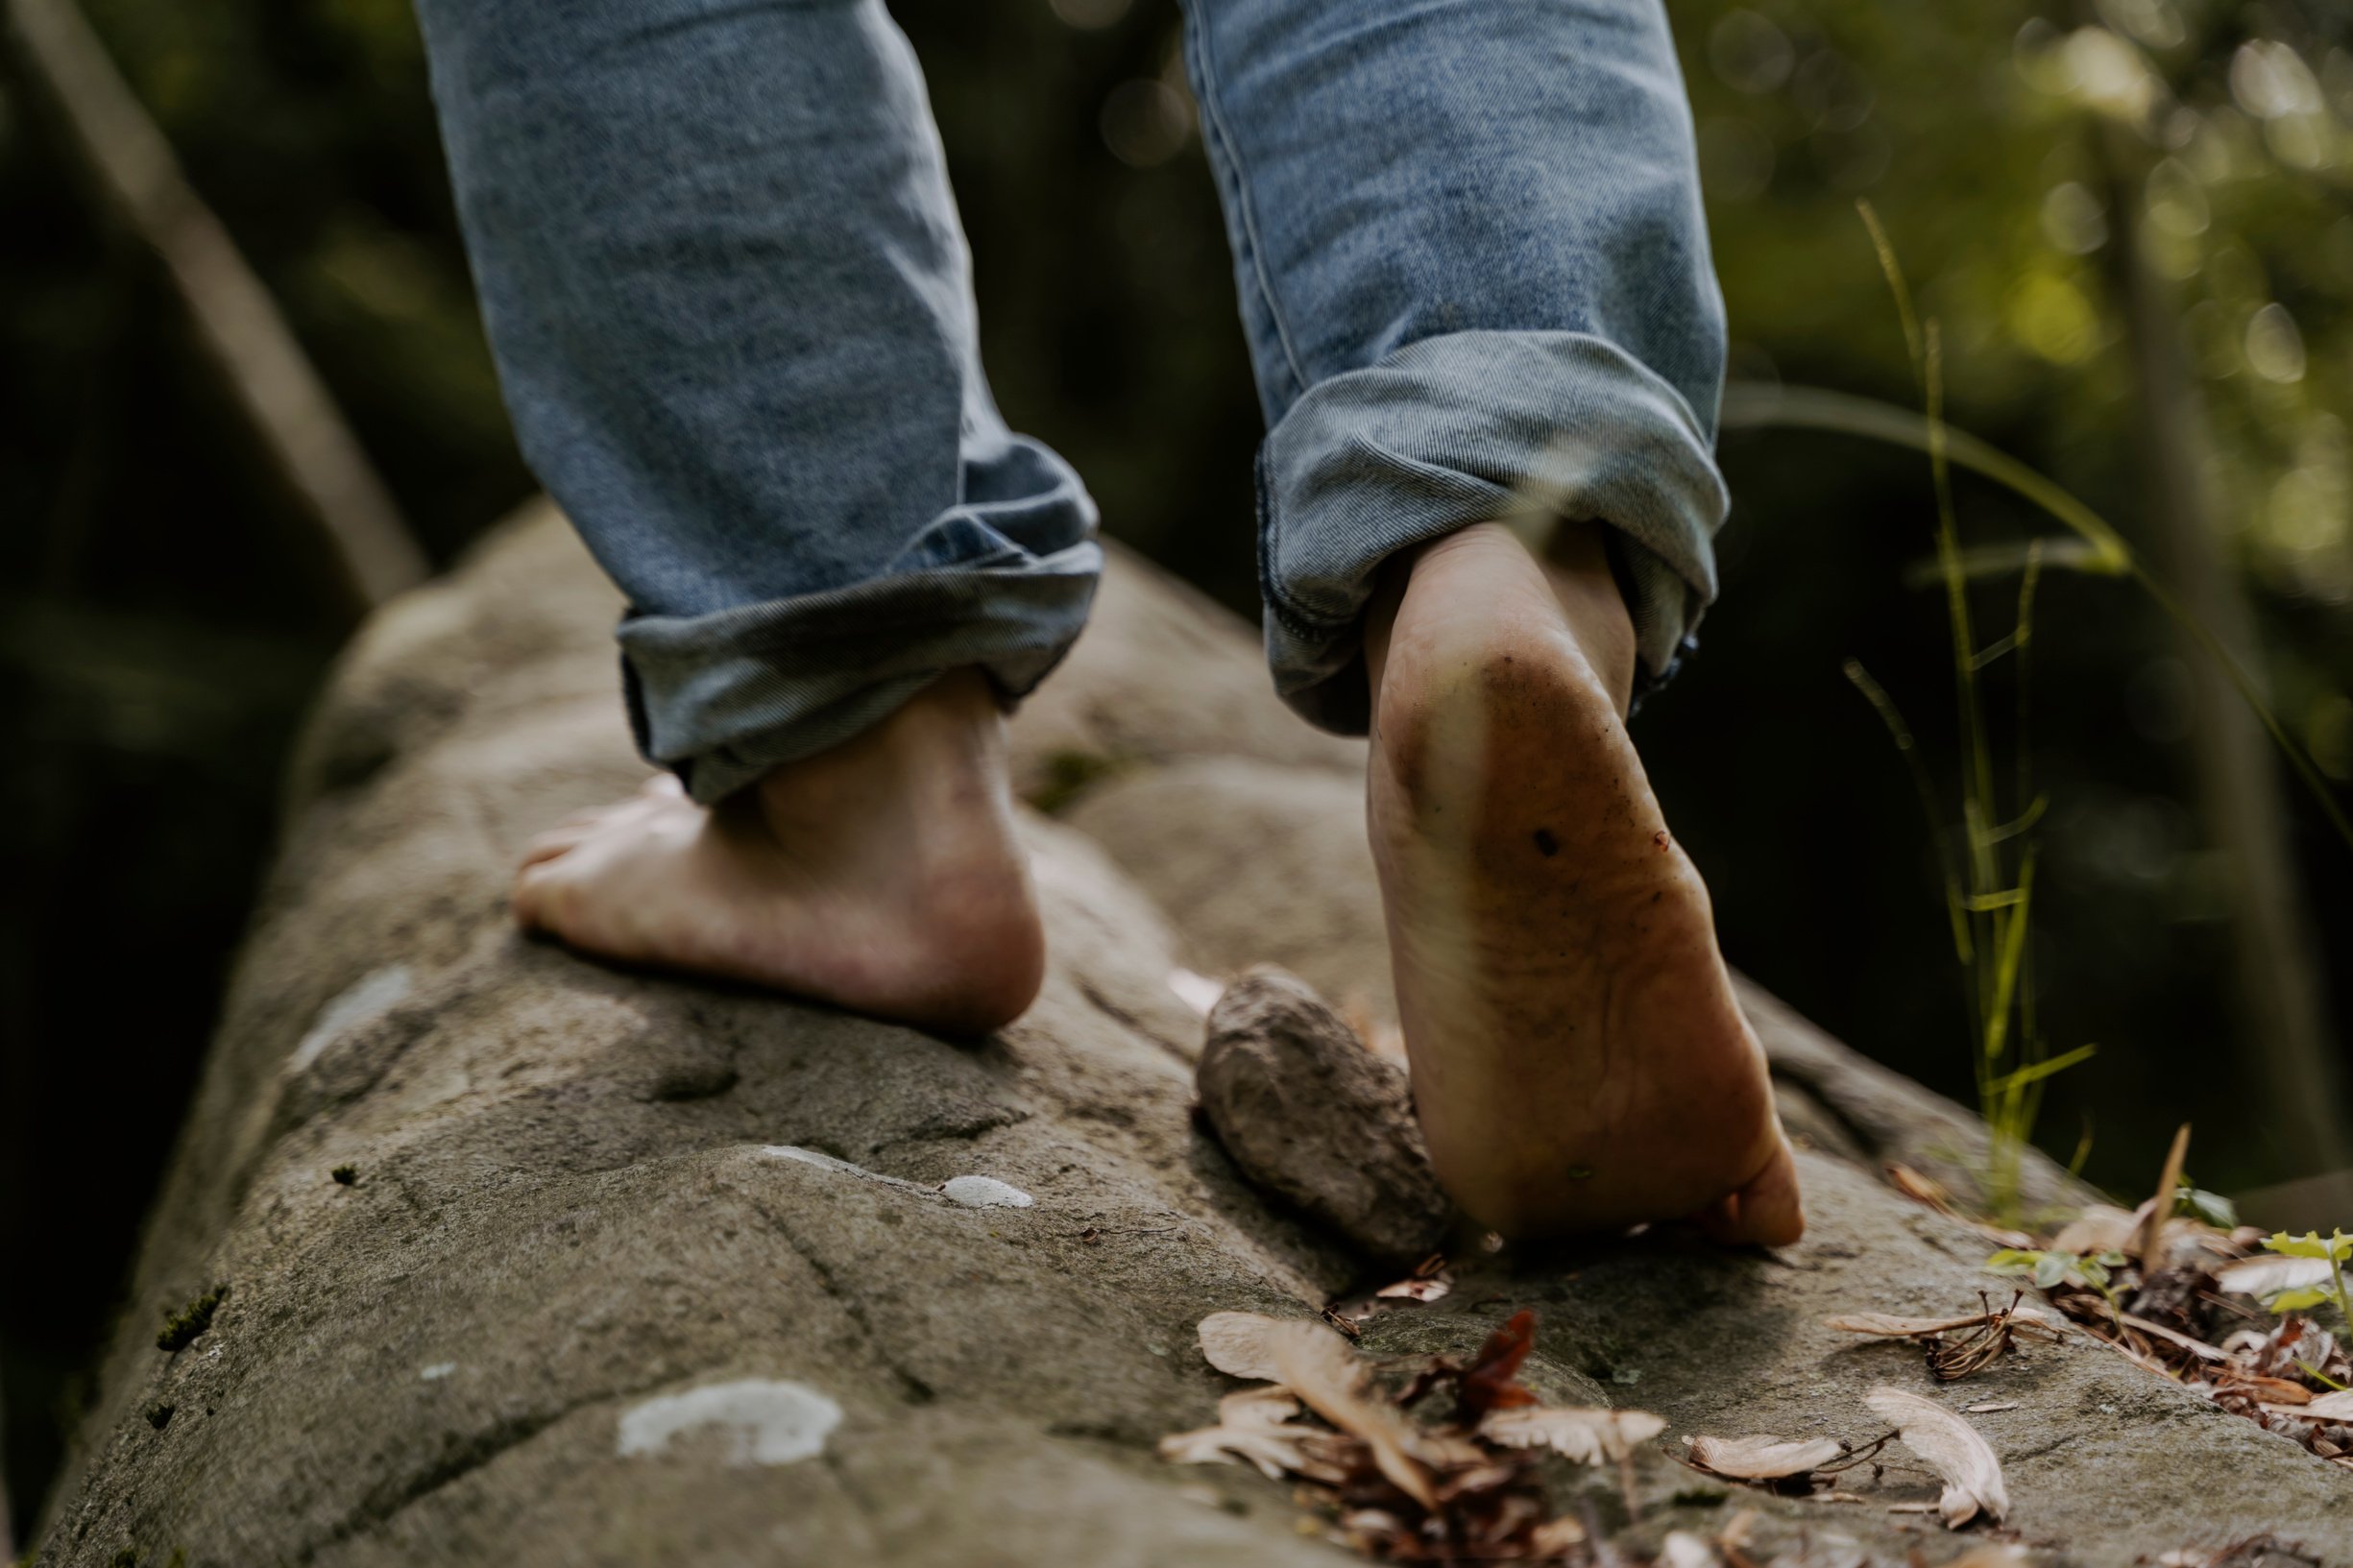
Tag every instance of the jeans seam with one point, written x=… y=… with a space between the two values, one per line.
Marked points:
x=1213 y=117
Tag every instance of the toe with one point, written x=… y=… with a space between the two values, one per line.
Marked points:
x=1766 y=1211
x=553 y=842
x=534 y=890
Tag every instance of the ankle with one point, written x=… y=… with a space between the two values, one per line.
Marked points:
x=943 y=752
x=1571 y=587
x=1576 y=561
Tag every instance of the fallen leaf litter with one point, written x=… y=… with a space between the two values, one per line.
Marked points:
x=1468 y=1487
x=2164 y=1285
x=2184 y=1298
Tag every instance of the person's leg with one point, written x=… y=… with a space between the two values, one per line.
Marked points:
x=1475 y=279
x=729 y=299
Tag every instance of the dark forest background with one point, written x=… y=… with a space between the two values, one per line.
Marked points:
x=2129 y=218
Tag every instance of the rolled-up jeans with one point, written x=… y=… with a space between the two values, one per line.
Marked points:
x=730 y=305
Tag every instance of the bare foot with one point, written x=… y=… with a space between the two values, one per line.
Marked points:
x=1578 y=1058
x=882 y=876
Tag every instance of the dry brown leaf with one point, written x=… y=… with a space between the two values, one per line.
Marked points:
x=1918 y=1188
x=1738 y=1532
x=1318 y=1366
x=1763 y=1457
x=2174 y=1337
x=1491 y=1379
x=1587 y=1437
x=2101 y=1227
x=1966 y=1462
x=1416 y=1289
x=1555 y=1536
x=2268 y=1277
x=1429 y=1282
x=2272 y=1391
x=1989 y=1407
x=2336 y=1405
x=1253 y=1424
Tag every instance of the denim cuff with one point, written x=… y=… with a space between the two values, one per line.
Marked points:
x=1463 y=429
x=720 y=699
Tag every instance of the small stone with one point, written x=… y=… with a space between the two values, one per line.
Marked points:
x=1311 y=1115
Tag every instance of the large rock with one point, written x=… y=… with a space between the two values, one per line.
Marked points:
x=633 y=1271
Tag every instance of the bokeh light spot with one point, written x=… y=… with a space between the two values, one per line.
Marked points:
x=1089 y=15
x=1146 y=122
x=1749 y=53
x=2073 y=219
x=2050 y=314
x=2274 y=347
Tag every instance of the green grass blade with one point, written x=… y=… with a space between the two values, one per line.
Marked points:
x=2006 y=968
x=2037 y=1072
x=2024 y=821
x=1751 y=406
x=2004 y=558
x=1896 y=285
x=1902 y=735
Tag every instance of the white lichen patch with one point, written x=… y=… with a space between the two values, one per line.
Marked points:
x=437 y=1371
x=766 y=1421
x=379 y=992
x=986 y=1193
x=810 y=1156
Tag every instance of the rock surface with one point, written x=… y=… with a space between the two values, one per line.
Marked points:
x=1311 y=1115
x=630 y=1270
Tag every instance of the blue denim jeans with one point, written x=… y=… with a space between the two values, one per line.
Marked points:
x=731 y=304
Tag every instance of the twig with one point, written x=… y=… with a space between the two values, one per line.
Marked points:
x=1859 y=1456
x=237 y=326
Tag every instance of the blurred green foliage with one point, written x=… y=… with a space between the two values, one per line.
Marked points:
x=159 y=636
x=2004 y=145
